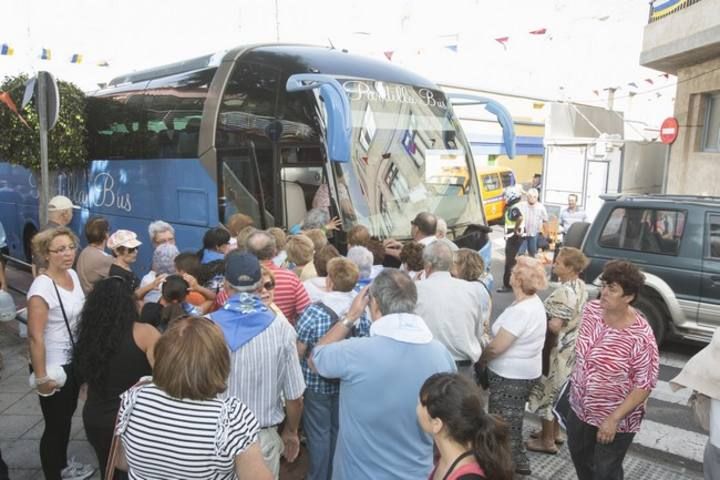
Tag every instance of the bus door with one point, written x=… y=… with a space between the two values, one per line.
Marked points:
x=301 y=178
x=245 y=183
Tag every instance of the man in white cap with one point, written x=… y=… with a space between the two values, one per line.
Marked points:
x=59 y=214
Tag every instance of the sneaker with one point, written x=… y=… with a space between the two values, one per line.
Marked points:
x=77 y=471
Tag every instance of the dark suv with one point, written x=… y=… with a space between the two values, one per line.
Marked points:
x=675 y=240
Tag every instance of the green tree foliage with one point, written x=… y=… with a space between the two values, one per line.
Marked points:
x=67 y=141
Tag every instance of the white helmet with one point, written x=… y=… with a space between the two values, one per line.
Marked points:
x=513 y=194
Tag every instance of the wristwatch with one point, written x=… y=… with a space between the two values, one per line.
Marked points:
x=347 y=323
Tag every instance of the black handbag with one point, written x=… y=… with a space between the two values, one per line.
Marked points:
x=561 y=407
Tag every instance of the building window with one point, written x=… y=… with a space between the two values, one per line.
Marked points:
x=711 y=133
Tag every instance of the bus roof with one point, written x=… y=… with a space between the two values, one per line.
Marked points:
x=294 y=59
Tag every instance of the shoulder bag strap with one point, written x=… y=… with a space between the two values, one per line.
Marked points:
x=62 y=308
x=113 y=460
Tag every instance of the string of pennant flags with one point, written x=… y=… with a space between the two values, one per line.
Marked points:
x=47 y=54
x=505 y=41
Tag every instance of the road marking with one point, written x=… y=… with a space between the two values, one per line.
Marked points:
x=677 y=441
x=662 y=391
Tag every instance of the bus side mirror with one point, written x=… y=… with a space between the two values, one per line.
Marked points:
x=496 y=108
x=337 y=107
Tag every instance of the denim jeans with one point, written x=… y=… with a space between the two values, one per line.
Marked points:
x=592 y=460
x=320 y=424
x=529 y=245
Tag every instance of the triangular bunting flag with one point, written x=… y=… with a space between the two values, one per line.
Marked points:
x=541 y=31
x=632 y=84
x=454 y=48
x=389 y=55
x=597 y=94
x=76 y=58
x=7 y=100
x=502 y=41
x=649 y=80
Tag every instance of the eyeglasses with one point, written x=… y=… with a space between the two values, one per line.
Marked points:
x=67 y=248
x=268 y=285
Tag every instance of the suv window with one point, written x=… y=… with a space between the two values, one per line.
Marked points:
x=714 y=230
x=645 y=230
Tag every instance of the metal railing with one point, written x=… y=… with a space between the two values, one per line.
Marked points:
x=660 y=9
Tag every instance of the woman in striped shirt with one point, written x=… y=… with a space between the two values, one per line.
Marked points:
x=176 y=427
x=616 y=368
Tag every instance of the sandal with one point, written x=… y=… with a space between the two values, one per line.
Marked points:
x=536 y=434
x=535 y=446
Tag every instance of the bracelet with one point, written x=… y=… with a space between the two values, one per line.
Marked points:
x=42 y=380
x=347 y=323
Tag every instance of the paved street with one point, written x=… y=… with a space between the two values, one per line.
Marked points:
x=668 y=447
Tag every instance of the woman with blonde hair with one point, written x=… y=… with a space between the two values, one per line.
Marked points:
x=514 y=356
x=564 y=309
x=55 y=301
x=300 y=250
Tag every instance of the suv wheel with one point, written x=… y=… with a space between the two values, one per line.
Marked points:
x=654 y=315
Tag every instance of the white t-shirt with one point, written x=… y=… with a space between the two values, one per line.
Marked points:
x=57 y=341
x=715 y=422
x=527 y=322
x=154 y=295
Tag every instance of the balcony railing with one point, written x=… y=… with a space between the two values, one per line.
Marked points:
x=662 y=8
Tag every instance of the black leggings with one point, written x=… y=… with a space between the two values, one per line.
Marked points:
x=58 y=411
x=512 y=245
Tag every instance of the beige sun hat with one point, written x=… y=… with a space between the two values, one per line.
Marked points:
x=59 y=203
x=123 y=238
x=701 y=372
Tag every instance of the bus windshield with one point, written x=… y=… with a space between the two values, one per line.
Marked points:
x=407 y=157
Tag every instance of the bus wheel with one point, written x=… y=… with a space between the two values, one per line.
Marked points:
x=28 y=235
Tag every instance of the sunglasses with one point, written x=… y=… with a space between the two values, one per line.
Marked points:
x=268 y=285
x=132 y=250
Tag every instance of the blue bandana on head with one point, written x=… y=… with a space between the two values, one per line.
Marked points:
x=243 y=318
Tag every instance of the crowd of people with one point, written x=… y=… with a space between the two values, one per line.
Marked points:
x=222 y=360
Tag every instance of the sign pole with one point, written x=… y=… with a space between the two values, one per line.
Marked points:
x=44 y=174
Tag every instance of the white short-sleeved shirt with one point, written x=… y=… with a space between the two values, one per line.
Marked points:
x=57 y=340
x=527 y=322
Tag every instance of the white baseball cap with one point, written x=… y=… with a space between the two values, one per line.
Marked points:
x=60 y=202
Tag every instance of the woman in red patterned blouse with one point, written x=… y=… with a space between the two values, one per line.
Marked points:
x=616 y=368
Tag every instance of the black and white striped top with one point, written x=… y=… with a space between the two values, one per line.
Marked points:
x=166 y=438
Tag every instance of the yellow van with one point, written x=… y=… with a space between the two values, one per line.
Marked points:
x=493 y=181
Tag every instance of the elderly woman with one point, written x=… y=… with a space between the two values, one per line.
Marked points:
x=411 y=258
x=55 y=300
x=515 y=353
x=363 y=258
x=163 y=263
x=300 y=251
x=211 y=437
x=616 y=368
x=564 y=310
x=124 y=246
x=316 y=287
x=161 y=232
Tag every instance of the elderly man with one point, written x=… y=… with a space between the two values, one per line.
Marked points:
x=363 y=259
x=423 y=228
x=380 y=377
x=441 y=234
x=455 y=310
x=535 y=218
x=161 y=232
x=59 y=214
x=264 y=363
x=290 y=294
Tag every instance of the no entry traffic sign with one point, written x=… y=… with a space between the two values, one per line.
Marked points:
x=669 y=130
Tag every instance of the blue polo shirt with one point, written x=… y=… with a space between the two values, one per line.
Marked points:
x=380 y=379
